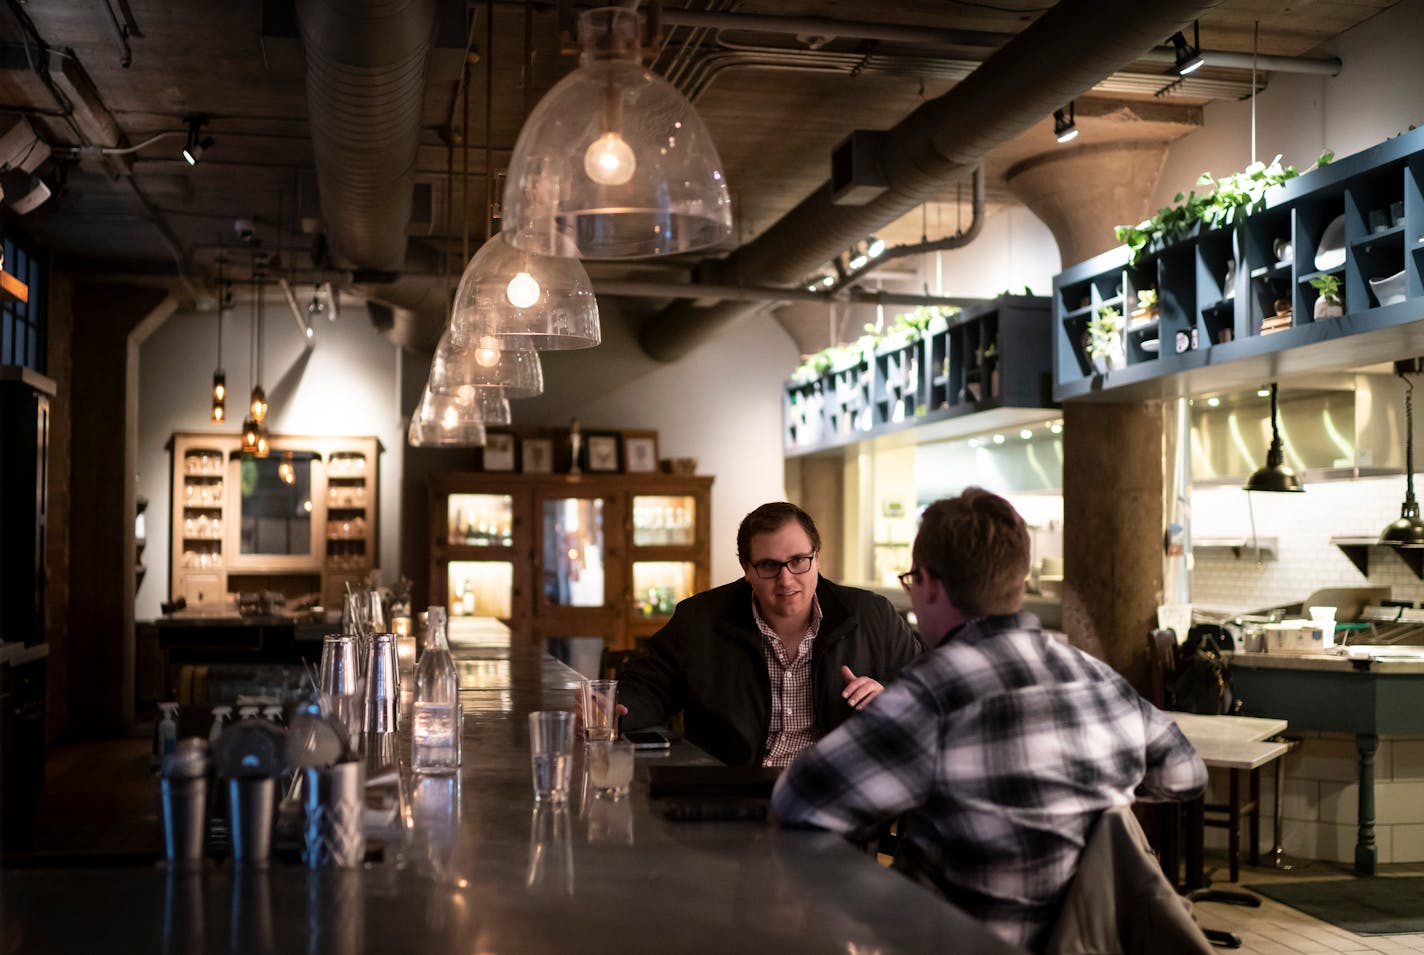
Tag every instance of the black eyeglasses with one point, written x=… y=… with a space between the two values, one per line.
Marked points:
x=767 y=569
x=909 y=577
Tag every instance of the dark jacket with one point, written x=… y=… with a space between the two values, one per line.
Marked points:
x=707 y=663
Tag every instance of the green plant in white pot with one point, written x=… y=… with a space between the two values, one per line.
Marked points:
x=1104 y=342
x=1329 y=304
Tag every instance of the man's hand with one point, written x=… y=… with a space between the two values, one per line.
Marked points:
x=859 y=690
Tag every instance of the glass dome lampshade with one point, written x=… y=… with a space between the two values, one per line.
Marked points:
x=525 y=298
x=615 y=157
x=486 y=363
x=492 y=405
x=445 y=421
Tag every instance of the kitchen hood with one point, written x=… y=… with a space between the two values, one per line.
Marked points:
x=1332 y=428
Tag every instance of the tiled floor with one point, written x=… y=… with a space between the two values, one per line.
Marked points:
x=100 y=797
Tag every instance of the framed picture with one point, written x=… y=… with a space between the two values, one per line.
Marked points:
x=640 y=453
x=499 y=451
x=537 y=455
x=603 y=452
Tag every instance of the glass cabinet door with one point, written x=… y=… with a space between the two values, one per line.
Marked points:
x=480 y=520
x=481 y=588
x=574 y=552
x=661 y=520
x=659 y=584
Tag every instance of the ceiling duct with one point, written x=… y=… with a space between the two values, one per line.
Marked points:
x=365 y=79
x=940 y=142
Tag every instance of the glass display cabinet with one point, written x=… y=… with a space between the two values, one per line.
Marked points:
x=556 y=555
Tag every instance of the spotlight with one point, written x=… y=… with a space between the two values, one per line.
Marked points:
x=1065 y=126
x=22 y=191
x=1189 y=58
x=195 y=147
x=877 y=246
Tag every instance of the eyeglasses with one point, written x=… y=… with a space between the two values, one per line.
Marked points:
x=909 y=577
x=767 y=569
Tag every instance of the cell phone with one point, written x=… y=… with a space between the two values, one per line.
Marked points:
x=647 y=739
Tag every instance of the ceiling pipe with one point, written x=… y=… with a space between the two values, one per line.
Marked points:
x=739 y=293
x=929 y=36
x=365 y=78
x=935 y=145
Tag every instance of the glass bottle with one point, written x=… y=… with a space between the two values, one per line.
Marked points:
x=435 y=724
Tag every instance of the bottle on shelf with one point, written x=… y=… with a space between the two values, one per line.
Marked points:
x=435 y=724
x=165 y=734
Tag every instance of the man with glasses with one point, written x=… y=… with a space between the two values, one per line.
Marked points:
x=1000 y=747
x=762 y=667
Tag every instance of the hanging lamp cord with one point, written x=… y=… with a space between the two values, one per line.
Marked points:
x=1408 y=439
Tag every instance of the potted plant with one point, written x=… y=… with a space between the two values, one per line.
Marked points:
x=1146 y=310
x=1104 y=340
x=1329 y=304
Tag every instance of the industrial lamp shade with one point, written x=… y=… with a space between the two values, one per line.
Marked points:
x=526 y=299
x=444 y=421
x=1408 y=531
x=1275 y=476
x=615 y=157
x=487 y=363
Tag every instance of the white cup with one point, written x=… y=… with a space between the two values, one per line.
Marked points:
x=1324 y=619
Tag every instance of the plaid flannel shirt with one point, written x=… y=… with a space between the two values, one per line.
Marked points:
x=793 y=719
x=1003 y=746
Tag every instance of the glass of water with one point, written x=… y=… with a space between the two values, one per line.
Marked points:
x=610 y=767
x=551 y=754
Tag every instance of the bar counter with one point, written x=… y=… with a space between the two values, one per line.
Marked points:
x=477 y=868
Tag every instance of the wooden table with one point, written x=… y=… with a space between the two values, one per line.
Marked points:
x=479 y=868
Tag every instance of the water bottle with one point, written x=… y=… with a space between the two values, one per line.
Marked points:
x=167 y=729
x=435 y=726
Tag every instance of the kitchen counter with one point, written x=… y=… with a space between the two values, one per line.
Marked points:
x=1335 y=693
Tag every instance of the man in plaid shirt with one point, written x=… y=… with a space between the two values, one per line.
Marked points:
x=1000 y=747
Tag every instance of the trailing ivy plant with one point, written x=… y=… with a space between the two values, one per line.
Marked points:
x=1232 y=197
x=907 y=328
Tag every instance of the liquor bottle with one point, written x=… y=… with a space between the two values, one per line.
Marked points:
x=435 y=726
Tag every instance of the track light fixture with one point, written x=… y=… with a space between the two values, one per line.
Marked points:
x=1189 y=58
x=1065 y=127
x=197 y=144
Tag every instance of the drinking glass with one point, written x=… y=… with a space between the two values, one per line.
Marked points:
x=551 y=754
x=598 y=700
x=610 y=767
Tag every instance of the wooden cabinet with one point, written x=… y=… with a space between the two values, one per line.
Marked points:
x=979 y=370
x=560 y=555
x=1235 y=306
x=302 y=520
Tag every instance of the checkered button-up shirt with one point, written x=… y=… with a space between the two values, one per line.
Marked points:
x=793 y=718
x=1003 y=746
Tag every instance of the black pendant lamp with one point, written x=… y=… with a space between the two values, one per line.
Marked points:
x=1409 y=529
x=1275 y=476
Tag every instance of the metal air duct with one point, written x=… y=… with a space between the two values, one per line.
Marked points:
x=366 y=63
x=1060 y=56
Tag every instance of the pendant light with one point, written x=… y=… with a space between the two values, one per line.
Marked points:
x=615 y=158
x=257 y=405
x=487 y=363
x=1408 y=531
x=1275 y=476
x=445 y=421
x=219 y=396
x=521 y=297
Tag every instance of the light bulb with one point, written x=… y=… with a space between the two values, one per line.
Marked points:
x=609 y=160
x=487 y=354
x=523 y=290
x=450 y=419
x=219 y=391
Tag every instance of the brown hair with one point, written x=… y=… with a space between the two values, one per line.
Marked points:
x=977 y=545
x=770 y=518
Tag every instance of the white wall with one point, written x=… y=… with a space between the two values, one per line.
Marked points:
x=1375 y=96
x=720 y=404
x=346 y=385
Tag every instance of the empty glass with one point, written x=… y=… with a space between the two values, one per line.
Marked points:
x=551 y=754
x=598 y=702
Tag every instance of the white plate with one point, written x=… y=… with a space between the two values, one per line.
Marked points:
x=1332 y=245
x=1149 y=344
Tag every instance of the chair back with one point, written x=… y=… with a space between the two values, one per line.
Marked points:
x=1161 y=667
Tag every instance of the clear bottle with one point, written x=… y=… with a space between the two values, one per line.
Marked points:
x=435 y=724
x=222 y=716
x=167 y=729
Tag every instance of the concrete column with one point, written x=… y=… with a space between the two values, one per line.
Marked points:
x=1112 y=530
x=1083 y=193
x=108 y=323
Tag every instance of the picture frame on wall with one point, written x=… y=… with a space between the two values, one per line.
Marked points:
x=499 y=451
x=536 y=456
x=640 y=453
x=603 y=455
